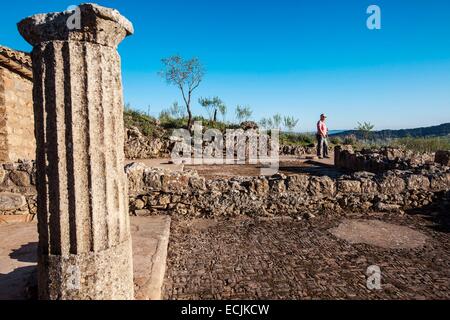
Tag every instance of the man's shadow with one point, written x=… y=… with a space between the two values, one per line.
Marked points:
x=21 y=283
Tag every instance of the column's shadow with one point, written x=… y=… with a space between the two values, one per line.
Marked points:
x=21 y=283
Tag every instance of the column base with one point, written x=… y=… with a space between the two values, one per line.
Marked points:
x=104 y=275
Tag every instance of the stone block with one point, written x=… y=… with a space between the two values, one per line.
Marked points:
x=442 y=157
x=20 y=178
x=349 y=186
x=392 y=184
x=11 y=201
x=417 y=182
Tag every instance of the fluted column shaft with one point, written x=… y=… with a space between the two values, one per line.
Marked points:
x=83 y=221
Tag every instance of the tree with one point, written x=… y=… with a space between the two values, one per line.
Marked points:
x=277 y=120
x=243 y=113
x=365 y=129
x=290 y=123
x=184 y=74
x=264 y=123
x=212 y=106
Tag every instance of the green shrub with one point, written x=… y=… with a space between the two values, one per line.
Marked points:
x=145 y=123
x=336 y=140
x=350 y=139
x=431 y=144
x=302 y=139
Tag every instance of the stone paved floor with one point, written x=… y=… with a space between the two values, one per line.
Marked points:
x=18 y=246
x=250 y=258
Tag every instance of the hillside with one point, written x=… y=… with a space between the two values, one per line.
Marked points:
x=434 y=131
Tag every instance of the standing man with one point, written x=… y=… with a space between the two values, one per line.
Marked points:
x=322 y=135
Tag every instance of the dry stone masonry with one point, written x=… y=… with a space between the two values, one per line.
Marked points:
x=82 y=205
x=18 y=191
x=380 y=160
x=16 y=106
x=156 y=191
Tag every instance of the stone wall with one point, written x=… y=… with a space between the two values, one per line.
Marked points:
x=157 y=191
x=379 y=160
x=138 y=146
x=18 y=189
x=16 y=117
x=154 y=191
x=289 y=150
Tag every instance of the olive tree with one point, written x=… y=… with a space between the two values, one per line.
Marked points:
x=213 y=106
x=243 y=113
x=186 y=75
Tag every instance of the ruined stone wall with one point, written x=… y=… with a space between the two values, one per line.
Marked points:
x=157 y=191
x=380 y=160
x=16 y=117
x=154 y=191
x=18 y=190
x=288 y=150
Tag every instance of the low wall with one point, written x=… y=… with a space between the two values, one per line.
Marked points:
x=288 y=150
x=157 y=191
x=18 y=190
x=161 y=192
x=381 y=160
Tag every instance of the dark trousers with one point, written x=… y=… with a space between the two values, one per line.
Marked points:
x=322 y=146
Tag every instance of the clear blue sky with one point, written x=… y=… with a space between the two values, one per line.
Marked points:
x=297 y=58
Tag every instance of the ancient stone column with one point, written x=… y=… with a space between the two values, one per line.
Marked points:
x=83 y=222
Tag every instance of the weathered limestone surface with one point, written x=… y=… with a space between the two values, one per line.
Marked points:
x=16 y=107
x=83 y=221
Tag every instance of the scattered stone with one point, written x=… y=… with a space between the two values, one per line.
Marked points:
x=11 y=201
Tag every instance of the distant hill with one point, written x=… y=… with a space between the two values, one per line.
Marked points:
x=435 y=131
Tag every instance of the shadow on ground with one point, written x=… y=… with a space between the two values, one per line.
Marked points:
x=26 y=253
x=438 y=212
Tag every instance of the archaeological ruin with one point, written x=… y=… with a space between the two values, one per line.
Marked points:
x=68 y=162
x=83 y=221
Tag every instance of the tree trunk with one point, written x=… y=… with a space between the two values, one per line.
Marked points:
x=215 y=115
x=189 y=118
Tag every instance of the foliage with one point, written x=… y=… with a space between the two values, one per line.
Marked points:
x=336 y=140
x=212 y=106
x=185 y=75
x=277 y=121
x=365 y=128
x=243 y=113
x=145 y=123
x=430 y=144
x=350 y=140
x=290 y=123
x=302 y=139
